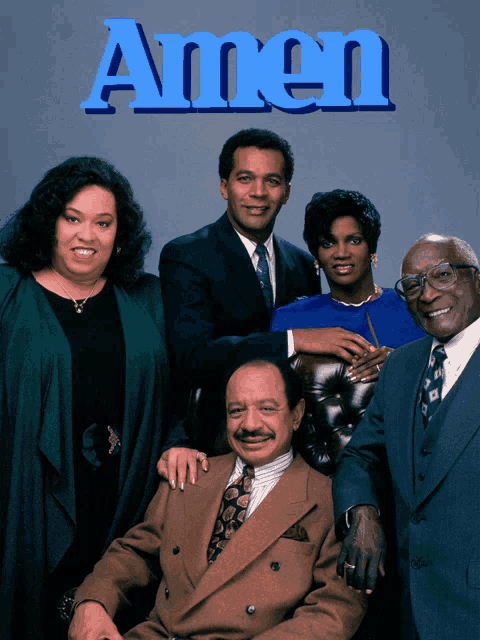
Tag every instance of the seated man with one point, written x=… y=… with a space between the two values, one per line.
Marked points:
x=271 y=577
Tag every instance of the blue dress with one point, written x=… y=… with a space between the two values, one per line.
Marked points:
x=392 y=323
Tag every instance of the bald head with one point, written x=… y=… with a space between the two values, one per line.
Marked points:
x=460 y=250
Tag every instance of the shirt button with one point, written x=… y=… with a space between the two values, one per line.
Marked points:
x=424 y=452
x=175 y=550
x=416 y=518
x=416 y=563
x=275 y=566
x=421 y=476
x=167 y=594
x=250 y=609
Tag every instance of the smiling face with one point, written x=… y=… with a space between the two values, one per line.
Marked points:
x=85 y=234
x=444 y=312
x=344 y=255
x=260 y=423
x=256 y=190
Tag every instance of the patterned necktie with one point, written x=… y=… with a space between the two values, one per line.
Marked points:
x=231 y=513
x=432 y=385
x=263 y=275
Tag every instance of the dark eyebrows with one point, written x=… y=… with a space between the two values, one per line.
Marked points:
x=103 y=213
x=333 y=238
x=280 y=176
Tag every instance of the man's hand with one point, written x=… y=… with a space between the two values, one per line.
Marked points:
x=332 y=341
x=369 y=365
x=363 y=551
x=91 y=622
x=174 y=462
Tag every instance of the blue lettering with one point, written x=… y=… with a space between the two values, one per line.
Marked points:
x=263 y=74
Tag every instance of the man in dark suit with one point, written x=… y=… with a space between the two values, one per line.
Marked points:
x=422 y=428
x=221 y=283
x=248 y=551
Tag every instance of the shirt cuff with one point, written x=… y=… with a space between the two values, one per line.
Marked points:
x=290 y=343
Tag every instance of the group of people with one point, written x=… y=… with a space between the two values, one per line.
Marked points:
x=97 y=362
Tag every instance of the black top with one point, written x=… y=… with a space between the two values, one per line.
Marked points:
x=98 y=382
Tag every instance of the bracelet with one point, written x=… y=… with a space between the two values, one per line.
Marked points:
x=65 y=605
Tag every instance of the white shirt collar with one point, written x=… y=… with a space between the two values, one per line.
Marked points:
x=461 y=346
x=250 y=246
x=274 y=468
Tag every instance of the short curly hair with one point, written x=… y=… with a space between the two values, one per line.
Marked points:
x=261 y=139
x=27 y=240
x=326 y=207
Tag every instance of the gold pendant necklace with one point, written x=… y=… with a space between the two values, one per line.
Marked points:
x=78 y=305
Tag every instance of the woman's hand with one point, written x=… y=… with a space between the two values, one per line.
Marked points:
x=367 y=368
x=91 y=622
x=174 y=462
x=332 y=341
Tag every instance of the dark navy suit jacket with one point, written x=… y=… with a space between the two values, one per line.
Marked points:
x=214 y=307
x=436 y=485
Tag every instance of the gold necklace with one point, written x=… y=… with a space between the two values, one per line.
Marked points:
x=357 y=304
x=78 y=305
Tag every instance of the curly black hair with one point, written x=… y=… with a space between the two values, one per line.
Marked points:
x=324 y=208
x=261 y=139
x=27 y=240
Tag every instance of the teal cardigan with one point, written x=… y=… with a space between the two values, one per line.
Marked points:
x=37 y=486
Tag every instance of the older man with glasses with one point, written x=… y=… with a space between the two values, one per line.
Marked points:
x=422 y=430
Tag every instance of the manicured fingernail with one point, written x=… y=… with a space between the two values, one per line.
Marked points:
x=354 y=379
x=172 y=484
x=372 y=348
x=363 y=380
x=181 y=486
x=192 y=480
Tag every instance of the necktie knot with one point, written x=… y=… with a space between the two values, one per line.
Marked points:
x=261 y=251
x=439 y=356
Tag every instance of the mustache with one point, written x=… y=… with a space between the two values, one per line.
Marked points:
x=240 y=435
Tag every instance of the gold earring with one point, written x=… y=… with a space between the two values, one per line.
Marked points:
x=118 y=250
x=374 y=259
x=317 y=267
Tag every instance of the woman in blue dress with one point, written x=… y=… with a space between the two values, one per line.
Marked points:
x=342 y=230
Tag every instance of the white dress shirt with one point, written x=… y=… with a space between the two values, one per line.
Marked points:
x=250 y=246
x=459 y=350
x=266 y=477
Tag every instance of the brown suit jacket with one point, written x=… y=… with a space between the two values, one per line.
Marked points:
x=262 y=585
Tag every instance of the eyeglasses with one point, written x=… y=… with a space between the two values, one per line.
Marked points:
x=441 y=276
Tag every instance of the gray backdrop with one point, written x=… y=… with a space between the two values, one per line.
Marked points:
x=418 y=164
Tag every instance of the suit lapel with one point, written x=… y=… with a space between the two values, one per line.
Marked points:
x=237 y=261
x=284 y=267
x=285 y=505
x=201 y=505
x=400 y=432
x=457 y=422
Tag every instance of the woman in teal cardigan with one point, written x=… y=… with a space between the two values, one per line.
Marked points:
x=84 y=379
